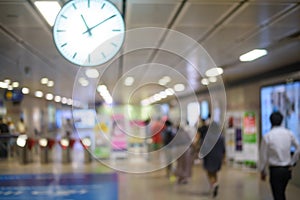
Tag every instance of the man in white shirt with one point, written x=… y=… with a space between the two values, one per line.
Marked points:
x=276 y=153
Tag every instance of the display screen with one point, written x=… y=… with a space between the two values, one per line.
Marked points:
x=284 y=98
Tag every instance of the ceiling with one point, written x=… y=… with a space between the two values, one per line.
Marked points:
x=225 y=28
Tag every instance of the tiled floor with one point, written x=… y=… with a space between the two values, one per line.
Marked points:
x=235 y=183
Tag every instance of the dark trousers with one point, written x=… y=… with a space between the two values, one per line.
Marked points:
x=279 y=178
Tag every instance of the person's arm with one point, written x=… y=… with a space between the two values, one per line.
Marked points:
x=296 y=154
x=263 y=159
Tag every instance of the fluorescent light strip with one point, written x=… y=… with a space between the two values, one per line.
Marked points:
x=49 y=10
x=253 y=55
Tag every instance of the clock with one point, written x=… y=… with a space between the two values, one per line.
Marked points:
x=88 y=32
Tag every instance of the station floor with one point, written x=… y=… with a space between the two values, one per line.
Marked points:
x=235 y=182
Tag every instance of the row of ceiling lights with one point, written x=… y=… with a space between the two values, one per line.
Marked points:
x=9 y=85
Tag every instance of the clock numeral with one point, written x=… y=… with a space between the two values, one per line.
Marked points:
x=64 y=17
x=88 y=3
x=103 y=55
x=116 y=30
x=103 y=6
x=63 y=44
x=114 y=44
x=74 y=6
x=74 y=55
x=89 y=58
x=59 y=31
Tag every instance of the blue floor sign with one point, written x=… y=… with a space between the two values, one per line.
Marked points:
x=59 y=187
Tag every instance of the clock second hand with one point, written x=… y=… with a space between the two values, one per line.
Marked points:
x=89 y=29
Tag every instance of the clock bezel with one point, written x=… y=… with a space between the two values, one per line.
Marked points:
x=84 y=63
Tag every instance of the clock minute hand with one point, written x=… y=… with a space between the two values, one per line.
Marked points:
x=89 y=30
x=87 y=27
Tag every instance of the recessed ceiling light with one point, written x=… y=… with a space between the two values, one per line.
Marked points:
x=49 y=96
x=205 y=81
x=7 y=81
x=216 y=71
x=129 y=81
x=64 y=100
x=44 y=81
x=57 y=98
x=101 y=88
x=253 y=55
x=49 y=10
x=212 y=79
x=169 y=91
x=50 y=83
x=15 y=84
x=92 y=73
x=38 y=94
x=25 y=90
x=83 y=82
x=164 y=80
x=179 y=87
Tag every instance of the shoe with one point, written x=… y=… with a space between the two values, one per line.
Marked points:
x=215 y=190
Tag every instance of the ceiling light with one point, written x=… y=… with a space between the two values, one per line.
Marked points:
x=252 y=55
x=167 y=78
x=157 y=97
x=38 y=94
x=49 y=10
x=179 y=87
x=3 y=84
x=83 y=82
x=49 y=96
x=92 y=73
x=129 y=81
x=169 y=91
x=69 y=102
x=44 y=81
x=163 y=94
x=64 y=100
x=15 y=84
x=57 y=99
x=25 y=90
x=145 y=102
x=212 y=79
x=205 y=81
x=101 y=88
x=50 y=83
x=216 y=71
x=7 y=81
x=164 y=80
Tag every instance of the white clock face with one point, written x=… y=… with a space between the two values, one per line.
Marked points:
x=88 y=32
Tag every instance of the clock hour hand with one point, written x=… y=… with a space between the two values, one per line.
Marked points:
x=89 y=29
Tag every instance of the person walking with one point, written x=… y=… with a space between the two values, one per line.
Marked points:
x=212 y=161
x=276 y=153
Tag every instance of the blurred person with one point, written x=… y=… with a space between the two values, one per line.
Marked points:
x=212 y=161
x=21 y=127
x=68 y=128
x=3 y=144
x=276 y=154
x=156 y=129
x=185 y=161
x=11 y=126
x=168 y=135
x=3 y=126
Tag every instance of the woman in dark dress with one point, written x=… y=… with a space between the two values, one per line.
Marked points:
x=213 y=160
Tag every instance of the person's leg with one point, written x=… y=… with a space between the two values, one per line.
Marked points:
x=279 y=178
x=213 y=180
